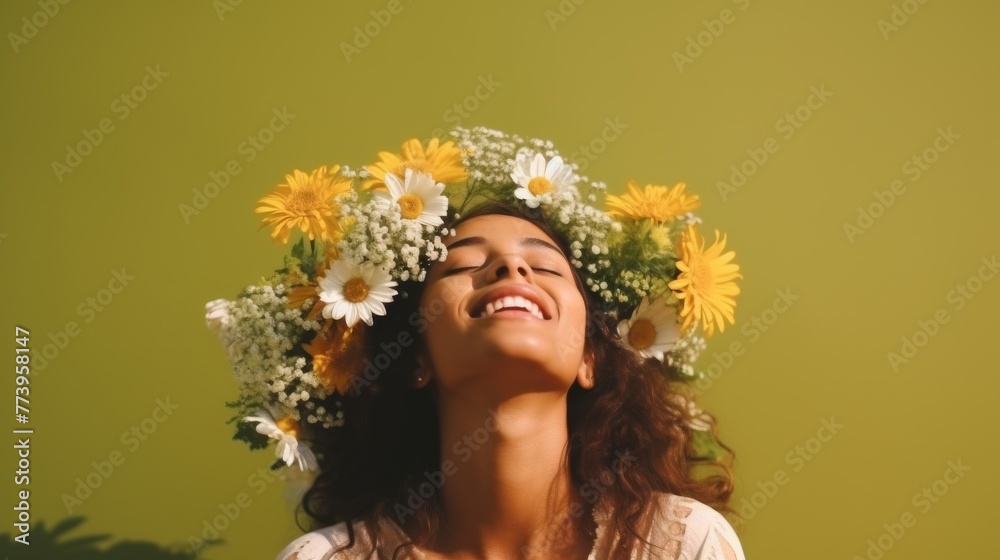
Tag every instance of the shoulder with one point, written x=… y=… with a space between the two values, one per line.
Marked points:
x=322 y=544
x=687 y=529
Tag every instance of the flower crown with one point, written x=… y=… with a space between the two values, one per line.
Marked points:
x=296 y=341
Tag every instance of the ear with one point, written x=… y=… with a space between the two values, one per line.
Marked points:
x=585 y=375
x=422 y=374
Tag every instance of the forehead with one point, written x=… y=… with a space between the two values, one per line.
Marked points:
x=498 y=227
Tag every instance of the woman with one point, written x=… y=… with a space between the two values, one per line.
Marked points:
x=518 y=426
x=480 y=363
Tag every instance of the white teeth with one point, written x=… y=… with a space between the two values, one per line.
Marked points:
x=512 y=302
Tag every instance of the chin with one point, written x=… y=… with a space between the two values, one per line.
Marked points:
x=521 y=371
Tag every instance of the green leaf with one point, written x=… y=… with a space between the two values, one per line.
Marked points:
x=705 y=446
x=247 y=432
x=299 y=249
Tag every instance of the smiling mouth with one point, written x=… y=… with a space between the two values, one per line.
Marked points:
x=512 y=306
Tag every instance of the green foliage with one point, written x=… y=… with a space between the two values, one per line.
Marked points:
x=705 y=446
x=299 y=263
x=473 y=192
x=52 y=544
x=246 y=431
x=641 y=265
x=299 y=249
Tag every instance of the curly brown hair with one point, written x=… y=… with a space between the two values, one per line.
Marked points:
x=369 y=468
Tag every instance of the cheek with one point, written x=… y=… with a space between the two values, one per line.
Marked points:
x=574 y=329
x=432 y=309
x=440 y=308
x=439 y=299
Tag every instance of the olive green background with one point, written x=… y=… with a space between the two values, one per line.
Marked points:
x=565 y=71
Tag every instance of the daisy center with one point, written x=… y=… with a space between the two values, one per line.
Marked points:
x=539 y=186
x=642 y=334
x=303 y=202
x=288 y=426
x=411 y=206
x=355 y=290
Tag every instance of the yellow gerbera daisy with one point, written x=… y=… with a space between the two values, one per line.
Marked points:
x=442 y=161
x=301 y=290
x=656 y=202
x=307 y=202
x=337 y=355
x=705 y=283
x=299 y=295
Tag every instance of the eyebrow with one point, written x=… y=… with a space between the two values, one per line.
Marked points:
x=528 y=242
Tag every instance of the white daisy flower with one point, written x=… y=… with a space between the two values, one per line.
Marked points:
x=288 y=448
x=217 y=316
x=536 y=177
x=653 y=328
x=418 y=196
x=353 y=292
x=698 y=419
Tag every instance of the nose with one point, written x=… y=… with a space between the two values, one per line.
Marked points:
x=510 y=265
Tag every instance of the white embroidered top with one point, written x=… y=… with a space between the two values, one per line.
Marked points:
x=682 y=529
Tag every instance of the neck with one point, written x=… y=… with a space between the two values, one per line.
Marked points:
x=507 y=489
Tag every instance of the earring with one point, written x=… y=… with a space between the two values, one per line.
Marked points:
x=420 y=375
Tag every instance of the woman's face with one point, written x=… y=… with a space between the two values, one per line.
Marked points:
x=504 y=311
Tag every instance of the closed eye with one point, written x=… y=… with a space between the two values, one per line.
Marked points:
x=459 y=269
x=550 y=271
